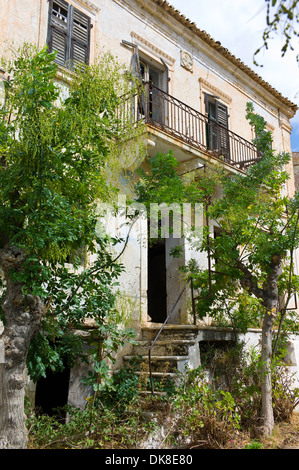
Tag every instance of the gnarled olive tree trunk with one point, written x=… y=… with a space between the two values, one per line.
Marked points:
x=23 y=316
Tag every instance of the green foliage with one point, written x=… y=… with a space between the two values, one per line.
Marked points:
x=122 y=389
x=203 y=414
x=162 y=184
x=57 y=157
x=223 y=301
x=57 y=154
x=254 y=444
x=94 y=427
x=108 y=337
x=214 y=406
x=251 y=210
x=218 y=404
x=74 y=296
x=281 y=17
x=257 y=231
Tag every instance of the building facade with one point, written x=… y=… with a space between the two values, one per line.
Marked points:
x=196 y=93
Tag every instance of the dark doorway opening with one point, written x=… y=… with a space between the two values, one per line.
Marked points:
x=52 y=393
x=156 y=293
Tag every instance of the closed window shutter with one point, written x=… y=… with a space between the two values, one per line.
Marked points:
x=68 y=33
x=222 y=118
x=217 y=135
x=80 y=37
x=222 y=115
x=58 y=30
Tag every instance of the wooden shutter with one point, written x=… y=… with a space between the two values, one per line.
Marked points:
x=58 y=31
x=165 y=84
x=222 y=114
x=217 y=126
x=223 y=137
x=135 y=61
x=80 y=33
x=135 y=64
x=211 y=128
x=68 y=33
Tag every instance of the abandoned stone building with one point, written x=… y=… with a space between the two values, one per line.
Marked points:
x=192 y=83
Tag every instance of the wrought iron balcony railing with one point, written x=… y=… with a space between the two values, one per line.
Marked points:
x=160 y=110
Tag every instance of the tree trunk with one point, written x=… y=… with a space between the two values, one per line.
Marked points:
x=23 y=316
x=271 y=303
x=266 y=389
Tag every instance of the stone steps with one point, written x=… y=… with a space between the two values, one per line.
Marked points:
x=174 y=350
x=178 y=347
x=160 y=363
x=173 y=331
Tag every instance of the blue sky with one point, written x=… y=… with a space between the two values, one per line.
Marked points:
x=239 y=25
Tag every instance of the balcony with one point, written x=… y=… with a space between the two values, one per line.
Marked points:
x=163 y=112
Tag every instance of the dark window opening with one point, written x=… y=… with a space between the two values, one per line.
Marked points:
x=68 y=34
x=217 y=234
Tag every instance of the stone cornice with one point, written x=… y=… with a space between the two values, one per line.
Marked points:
x=216 y=91
x=139 y=40
x=90 y=5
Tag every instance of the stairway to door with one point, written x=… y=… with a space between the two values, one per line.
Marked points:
x=175 y=350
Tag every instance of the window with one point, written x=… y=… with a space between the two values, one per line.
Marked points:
x=217 y=126
x=154 y=77
x=68 y=34
x=150 y=74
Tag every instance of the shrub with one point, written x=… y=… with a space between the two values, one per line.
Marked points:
x=202 y=414
x=219 y=403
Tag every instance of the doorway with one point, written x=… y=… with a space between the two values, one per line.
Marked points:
x=52 y=392
x=155 y=77
x=164 y=281
x=157 y=290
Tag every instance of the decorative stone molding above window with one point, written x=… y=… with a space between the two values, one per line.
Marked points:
x=269 y=127
x=286 y=126
x=151 y=49
x=187 y=61
x=90 y=5
x=214 y=90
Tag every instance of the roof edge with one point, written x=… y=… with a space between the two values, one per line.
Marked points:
x=203 y=35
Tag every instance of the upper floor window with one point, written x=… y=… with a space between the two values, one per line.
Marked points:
x=217 y=126
x=151 y=74
x=68 y=33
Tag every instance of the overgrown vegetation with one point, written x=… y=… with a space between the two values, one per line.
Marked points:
x=250 y=277
x=61 y=156
x=215 y=406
